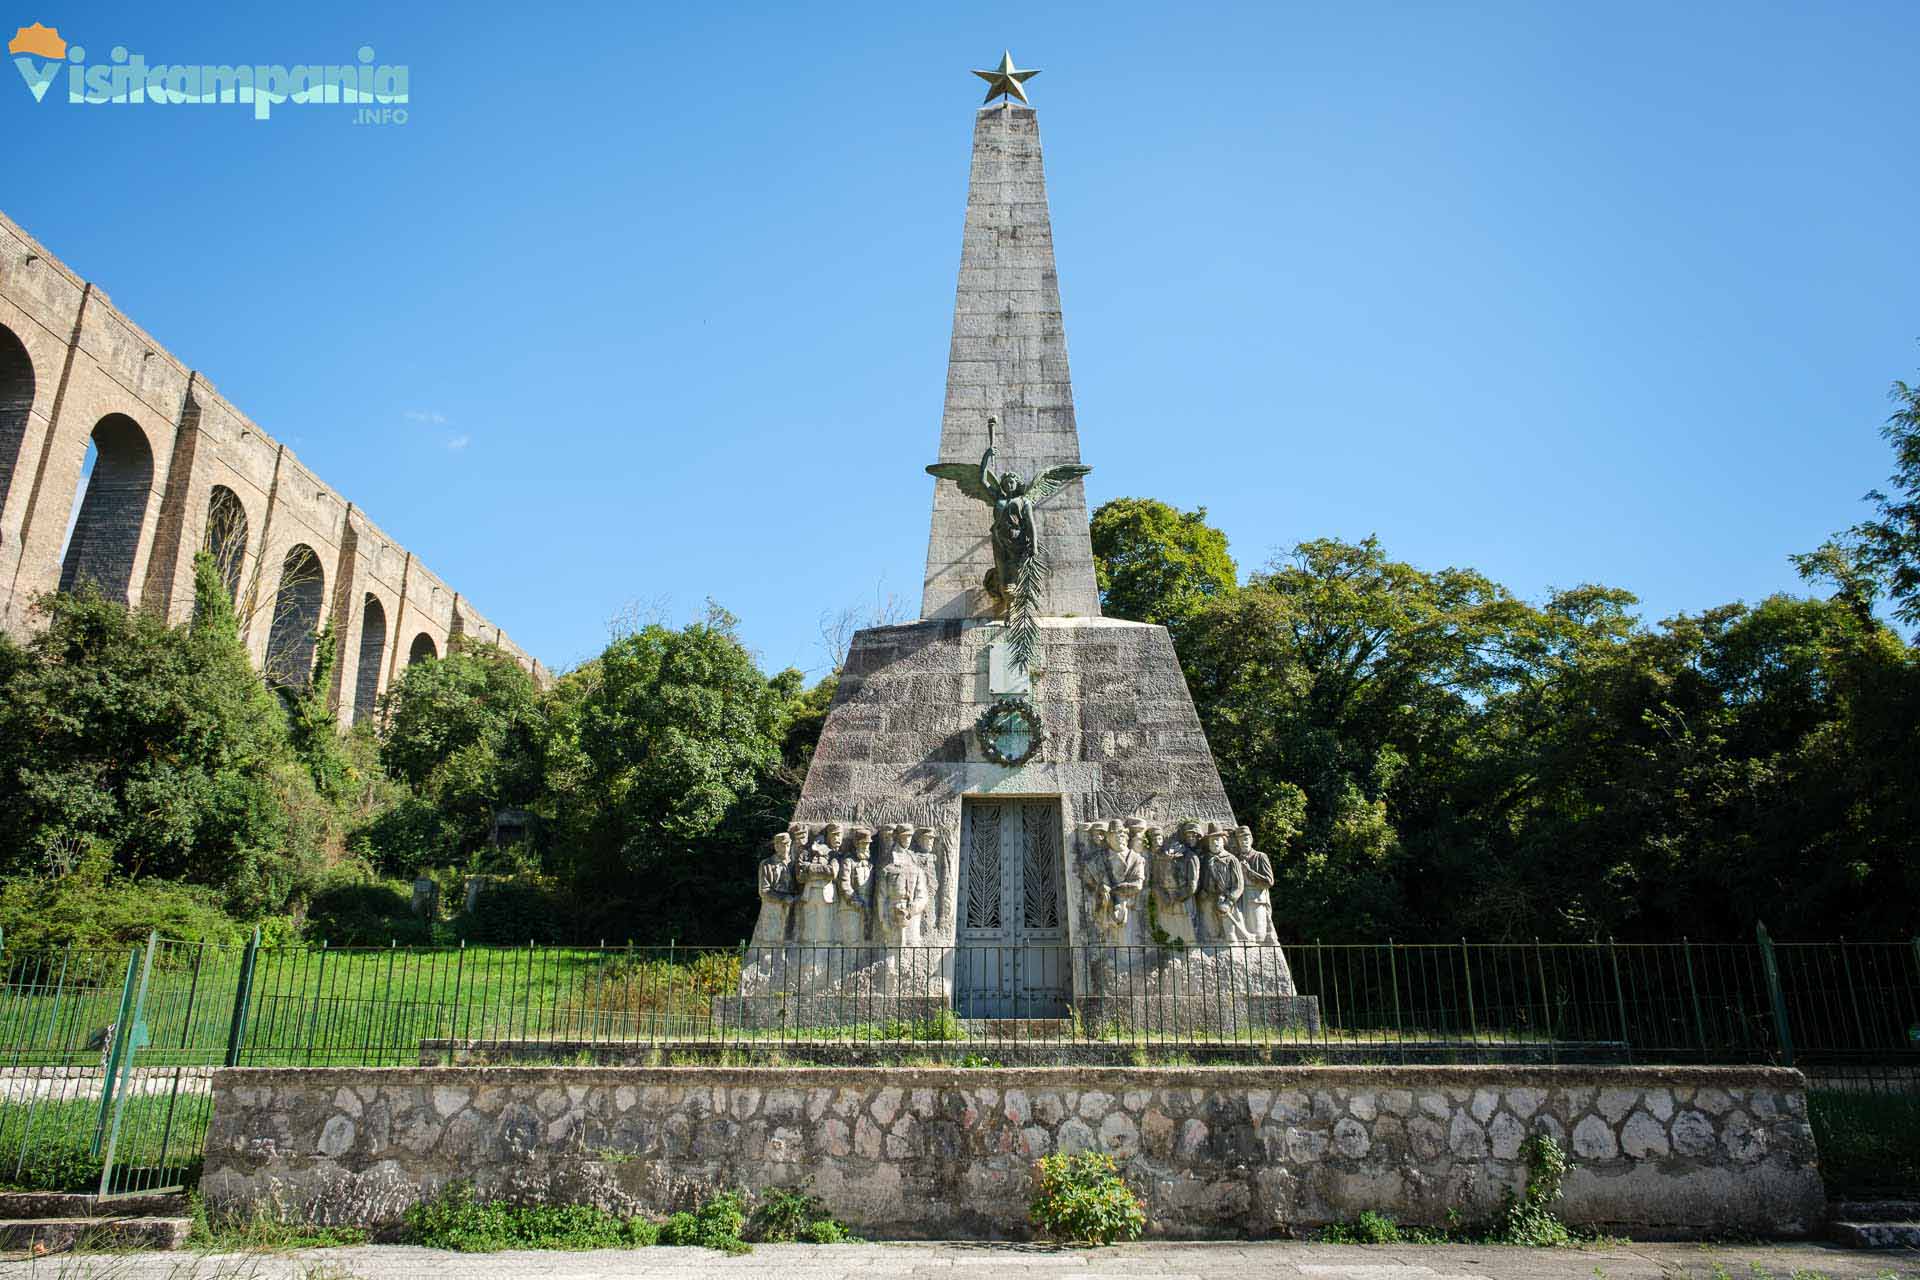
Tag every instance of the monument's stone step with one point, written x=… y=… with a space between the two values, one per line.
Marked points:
x=1876 y=1235
x=1875 y=1224
x=51 y=1235
x=1045 y=1042
x=1018 y=1028
x=18 y=1206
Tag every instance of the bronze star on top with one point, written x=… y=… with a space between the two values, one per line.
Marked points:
x=1005 y=81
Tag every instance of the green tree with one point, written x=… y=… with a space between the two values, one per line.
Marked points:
x=1158 y=564
x=661 y=747
x=1882 y=555
x=313 y=731
x=158 y=745
x=1348 y=696
x=466 y=734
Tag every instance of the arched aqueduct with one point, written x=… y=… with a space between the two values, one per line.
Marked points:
x=177 y=468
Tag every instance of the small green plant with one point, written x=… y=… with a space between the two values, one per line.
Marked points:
x=459 y=1222
x=789 y=1216
x=1372 y=1227
x=717 y=1224
x=1369 y=1228
x=942 y=1025
x=1529 y=1218
x=979 y=1060
x=1084 y=1200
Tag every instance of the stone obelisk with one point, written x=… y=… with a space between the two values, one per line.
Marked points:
x=1008 y=360
x=1030 y=845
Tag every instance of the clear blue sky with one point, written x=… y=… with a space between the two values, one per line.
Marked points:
x=651 y=302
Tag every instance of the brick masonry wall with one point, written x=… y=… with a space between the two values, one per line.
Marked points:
x=85 y=364
x=947 y=1152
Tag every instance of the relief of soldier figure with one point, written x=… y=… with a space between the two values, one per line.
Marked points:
x=846 y=886
x=862 y=888
x=1204 y=885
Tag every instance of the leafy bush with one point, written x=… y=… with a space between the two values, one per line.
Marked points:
x=717 y=1224
x=1083 y=1199
x=787 y=1217
x=95 y=907
x=398 y=841
x=457 y=1221
x=1869 y=1142
x=514 y=913
x=160 y=745
x=360 y=913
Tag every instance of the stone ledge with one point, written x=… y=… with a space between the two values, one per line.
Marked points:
x=1410 y=1077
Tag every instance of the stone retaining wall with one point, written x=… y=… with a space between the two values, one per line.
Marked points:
x=947 y=1152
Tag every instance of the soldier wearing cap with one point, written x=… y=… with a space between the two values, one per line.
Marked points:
x=850 y=881
x=1222 y=881
x=1257 y=906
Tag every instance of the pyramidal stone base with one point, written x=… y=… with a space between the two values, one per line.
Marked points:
x=1120 y=740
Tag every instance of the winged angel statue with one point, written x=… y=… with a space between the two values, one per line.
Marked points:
x=1018 y=579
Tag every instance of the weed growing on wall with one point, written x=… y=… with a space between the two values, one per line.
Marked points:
x=1083 y=1199
x=1529 y=1218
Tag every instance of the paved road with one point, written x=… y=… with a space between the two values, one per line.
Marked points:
x=963 y=1261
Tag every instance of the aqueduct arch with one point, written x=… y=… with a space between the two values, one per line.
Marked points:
x=226 y=538
x=296 y=617
x=113 y=510
x=16 y=405
x=373 y=643
x=423 y=649
x=119 y=463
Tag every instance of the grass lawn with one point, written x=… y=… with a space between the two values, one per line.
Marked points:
x=1869 y=1142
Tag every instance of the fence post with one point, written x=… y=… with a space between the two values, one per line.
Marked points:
x=1699 y=1023
x=121 y=1029
x=313 y=1023
x=1620 y=996
x=1772 y=972
x=1393 y=976
x=1546 y=1002
x=242 y=998
x=1913 y=1029
x=1853 y=993
x=1466 y=967
x=126 y=1042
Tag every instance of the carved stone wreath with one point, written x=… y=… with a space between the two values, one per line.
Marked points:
x=1010 y=715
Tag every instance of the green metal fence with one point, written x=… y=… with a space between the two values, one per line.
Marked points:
x=106 y=1056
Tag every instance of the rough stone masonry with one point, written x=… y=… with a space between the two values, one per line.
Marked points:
x=948 y=1152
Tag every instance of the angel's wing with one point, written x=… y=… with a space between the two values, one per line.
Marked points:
x=1054 y=479
x=964 y=474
